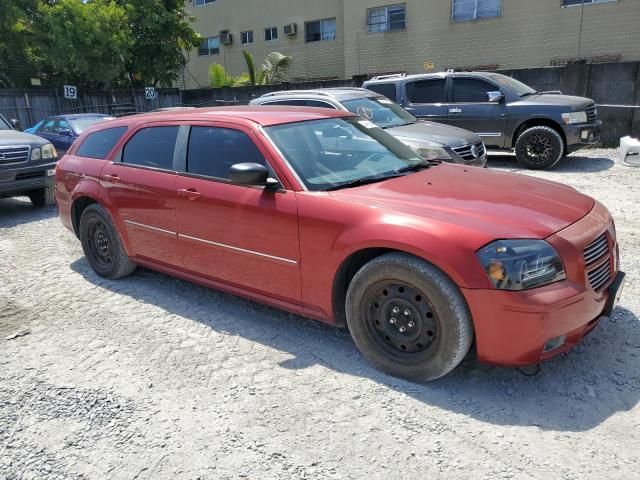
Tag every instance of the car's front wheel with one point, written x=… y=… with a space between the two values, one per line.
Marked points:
x=408 y=318
x=539 y=148
x=102 y=245
x=44 y=197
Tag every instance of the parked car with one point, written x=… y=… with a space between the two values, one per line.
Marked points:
x=541 y=126
x=27 y=164
x=326 y=215
x=62 y=130
x=433 y=141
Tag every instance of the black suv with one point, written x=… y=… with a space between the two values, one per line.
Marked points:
x=27 y=165
x=541 y=126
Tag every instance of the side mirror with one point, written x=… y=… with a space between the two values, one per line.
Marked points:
x=251 y=174
x=15 y=123
x=65 y=132
x=495 y=97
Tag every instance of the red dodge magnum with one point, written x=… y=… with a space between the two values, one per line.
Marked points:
x=323 y=214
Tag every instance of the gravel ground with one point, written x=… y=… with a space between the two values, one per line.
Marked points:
x=151 y=377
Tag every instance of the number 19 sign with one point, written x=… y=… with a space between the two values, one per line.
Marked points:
x=70 y=91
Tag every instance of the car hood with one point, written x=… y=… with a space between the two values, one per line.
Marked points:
x=573 y=103
x=493 y=204
x=14 y=137
x=434 y=132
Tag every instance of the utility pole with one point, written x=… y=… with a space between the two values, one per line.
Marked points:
x=580 y=31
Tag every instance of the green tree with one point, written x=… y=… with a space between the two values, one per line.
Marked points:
x=84 y=42
x=273 y=70
x=161 y=33
x=17 y=56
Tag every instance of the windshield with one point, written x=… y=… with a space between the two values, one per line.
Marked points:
x=380 y=110
x=4 y=125
x=81 y=124
x=334 y=152
x=514 y=85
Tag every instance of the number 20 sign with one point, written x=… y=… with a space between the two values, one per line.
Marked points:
x=70 y=91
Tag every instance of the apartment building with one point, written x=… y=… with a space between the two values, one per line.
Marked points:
x=344 y=38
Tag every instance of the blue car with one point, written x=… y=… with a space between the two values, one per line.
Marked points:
x=34 y=128
x=62 y=130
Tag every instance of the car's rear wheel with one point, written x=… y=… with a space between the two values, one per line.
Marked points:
x=408 y=318
x=43 y=197
x=102 y=245
x=539 y=148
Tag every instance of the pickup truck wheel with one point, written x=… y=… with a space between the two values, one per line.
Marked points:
x=44 y=197
x=539 y=148
x=408 y=318
x=102 y=245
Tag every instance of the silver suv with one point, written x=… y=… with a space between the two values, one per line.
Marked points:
x=433 y=141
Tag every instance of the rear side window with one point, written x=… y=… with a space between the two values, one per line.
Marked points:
x=471 y=90
x=427 y=91
x=213 y=150
x=99 y=144
x=152 y=147
x=386 y=89
x=318 y=104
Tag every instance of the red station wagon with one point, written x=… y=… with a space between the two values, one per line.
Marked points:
x=321 y=213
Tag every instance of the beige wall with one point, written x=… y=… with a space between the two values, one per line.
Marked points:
x=529 y=33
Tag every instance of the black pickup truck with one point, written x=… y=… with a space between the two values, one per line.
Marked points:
x=27 y=165
x=541 y=126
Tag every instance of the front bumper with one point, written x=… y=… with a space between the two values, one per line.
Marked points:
x=582 y=135
x=527 y=327
x=14 y=181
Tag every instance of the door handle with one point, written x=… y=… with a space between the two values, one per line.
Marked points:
x=113 y=177
x=190 y=193
x=455 y=110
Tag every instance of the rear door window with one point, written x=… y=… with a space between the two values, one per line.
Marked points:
x=427 y=91
x=152 y=147
x=471 y=90
x=318 y=104
x=386 y=89
x=99 y=144
x=290 y=103
x=213 y=150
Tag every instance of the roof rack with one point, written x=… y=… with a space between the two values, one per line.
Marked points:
x=387 y=77
x=295 y=92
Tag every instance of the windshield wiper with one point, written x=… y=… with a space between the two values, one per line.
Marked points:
x=414 y=168
x=362 y=181
x=526 y=94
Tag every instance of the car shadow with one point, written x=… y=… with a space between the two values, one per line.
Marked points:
x=18 y=211
x=576 y=391
x=573 y=163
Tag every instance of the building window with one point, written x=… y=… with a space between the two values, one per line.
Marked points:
x=465 y=10
x=246 y=37
x=199 y=3
x=270 y=34
x=382 y=19
x=320 y=30
x=569 y=3
x=209 y=46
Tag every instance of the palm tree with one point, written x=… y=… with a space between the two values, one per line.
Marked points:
x=272 y=70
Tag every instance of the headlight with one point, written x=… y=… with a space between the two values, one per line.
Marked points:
x=521 y=264
x=432 y=153
x=36 y=154
x=49 y=152
x=574 y=117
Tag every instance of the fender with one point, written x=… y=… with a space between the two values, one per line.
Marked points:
x=90 y=187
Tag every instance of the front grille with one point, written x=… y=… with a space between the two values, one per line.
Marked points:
x=597 y=258
x=466 y=151
x=9 y=155
x=592 y=113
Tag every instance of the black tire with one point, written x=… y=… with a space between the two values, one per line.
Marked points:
x=102 y=245
x=539 y=148
x=45 y=197
x=395 y=291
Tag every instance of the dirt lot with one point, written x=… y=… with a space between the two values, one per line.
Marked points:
x=155 y=378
